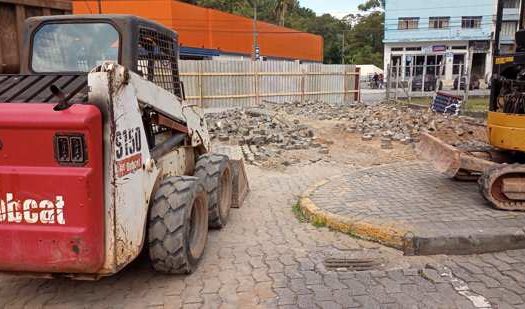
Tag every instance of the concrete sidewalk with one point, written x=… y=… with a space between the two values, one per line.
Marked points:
x=410 y=207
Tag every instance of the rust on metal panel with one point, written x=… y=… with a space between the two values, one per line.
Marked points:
x=450 y=160
x=241 y=187
x=474 y=164
x=514 y=188
x=166 y=122
x=445 y=158
x=504 y=186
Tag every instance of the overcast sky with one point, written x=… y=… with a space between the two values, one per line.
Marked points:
x=338 y=8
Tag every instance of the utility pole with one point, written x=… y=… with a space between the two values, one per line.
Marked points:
x=343 y=48
x=255 y=34
x=99 y=2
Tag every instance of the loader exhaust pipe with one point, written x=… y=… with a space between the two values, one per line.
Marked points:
x=63 y=104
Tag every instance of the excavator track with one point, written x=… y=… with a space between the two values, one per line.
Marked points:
x=504 y=186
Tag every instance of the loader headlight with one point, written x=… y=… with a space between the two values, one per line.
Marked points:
x=70 y=149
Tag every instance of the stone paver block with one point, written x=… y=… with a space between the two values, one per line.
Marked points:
x=413 y=208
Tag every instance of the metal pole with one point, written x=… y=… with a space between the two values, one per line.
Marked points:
x=522 y=12
x=469 y=72
x=410 y=80
x=460 y=78
x=497 y=35
x=424 y=76
x=255 y=34
x=388 y=80
x=398 y=69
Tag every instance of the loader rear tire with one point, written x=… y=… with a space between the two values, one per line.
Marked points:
x=216 y=174
x=178 y=225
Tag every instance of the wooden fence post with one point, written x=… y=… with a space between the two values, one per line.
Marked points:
x=201 y=99
x=303 y=83
x=357 y=76
x=256 y=80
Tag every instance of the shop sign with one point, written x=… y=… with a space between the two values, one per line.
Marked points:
x=439 y=48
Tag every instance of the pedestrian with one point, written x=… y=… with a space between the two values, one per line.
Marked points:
x=376 y=81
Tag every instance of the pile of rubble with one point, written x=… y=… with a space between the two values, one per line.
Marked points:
x=394 y=123
x=262 y=134
x=315 y=110
x=265 y=133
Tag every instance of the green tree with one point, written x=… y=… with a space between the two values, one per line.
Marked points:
x=370 y=5
x=282 y=8
x=363 y=31
x=365 y=40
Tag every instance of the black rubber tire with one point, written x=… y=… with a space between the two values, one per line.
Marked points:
x=178 y=225
x=215 y=172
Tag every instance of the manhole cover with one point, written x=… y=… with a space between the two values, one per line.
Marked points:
x=353 y=264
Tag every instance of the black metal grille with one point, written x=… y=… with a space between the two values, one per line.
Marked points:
x=36 y=88
x=157 y=59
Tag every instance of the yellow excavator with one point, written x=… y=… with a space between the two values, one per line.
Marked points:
x=499 y=168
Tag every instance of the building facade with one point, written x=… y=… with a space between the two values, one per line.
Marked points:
x=445 y=37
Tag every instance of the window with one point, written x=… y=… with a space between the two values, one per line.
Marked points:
x=406 y=23
x=458 y=64
x=438 y=22
x=459 y=47
x=509 y=28
x=415 y=65
x=62 y=47
x=507 y=48
x=471 y=22
x=397 y=49
x=511 y=4
x=395 y=63
x=413 y=48
x=158 y=60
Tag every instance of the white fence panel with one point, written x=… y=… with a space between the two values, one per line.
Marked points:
x=279 y=81
x=227 y=84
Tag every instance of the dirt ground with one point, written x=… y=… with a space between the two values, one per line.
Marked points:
x=340 y=134
x=349 y=148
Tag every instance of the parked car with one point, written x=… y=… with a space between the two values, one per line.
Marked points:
x=430 y=83
x=474 y=82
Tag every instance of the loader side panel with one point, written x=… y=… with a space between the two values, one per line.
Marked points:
x=51 y=189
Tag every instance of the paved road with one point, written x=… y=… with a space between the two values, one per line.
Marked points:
x=410 y=198
x=266 y=258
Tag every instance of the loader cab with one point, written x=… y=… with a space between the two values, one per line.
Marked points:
x=75 y=44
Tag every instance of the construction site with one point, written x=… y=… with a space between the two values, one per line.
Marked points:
x=149 y=158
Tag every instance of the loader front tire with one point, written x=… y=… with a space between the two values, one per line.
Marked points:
x=216 y=174
x=178 y=225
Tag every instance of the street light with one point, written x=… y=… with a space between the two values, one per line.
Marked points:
x=256 y=51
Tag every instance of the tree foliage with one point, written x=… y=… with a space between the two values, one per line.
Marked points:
x=362 y=32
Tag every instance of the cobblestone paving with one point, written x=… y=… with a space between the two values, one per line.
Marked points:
x=266 y=258
x=414 y=196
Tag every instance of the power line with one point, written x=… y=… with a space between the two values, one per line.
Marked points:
x=438 y=7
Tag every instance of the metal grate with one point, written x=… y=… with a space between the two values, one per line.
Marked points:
x=157 y=59
x=36 y=88
x=353 y=264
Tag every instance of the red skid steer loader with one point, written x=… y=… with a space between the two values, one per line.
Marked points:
x=100 y=157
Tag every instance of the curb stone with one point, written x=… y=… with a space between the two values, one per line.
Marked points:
x=386 y=235
x=404 y=238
